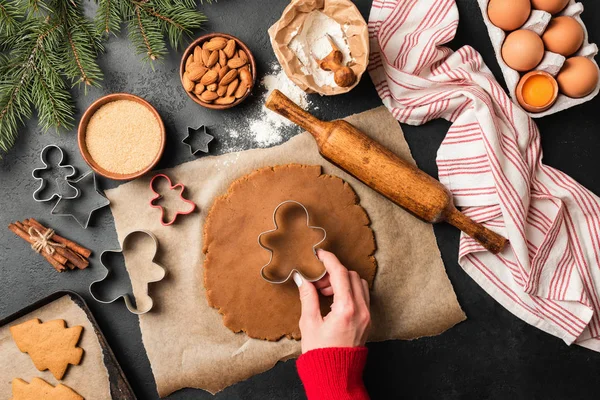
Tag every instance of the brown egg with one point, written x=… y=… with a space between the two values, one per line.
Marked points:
x=578 y=77
x=522 y=50
x=508 y=14
x=564 y=35
x=551 y=6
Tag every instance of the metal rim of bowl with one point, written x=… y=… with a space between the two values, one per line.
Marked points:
x=190 y=50
x=81 y=132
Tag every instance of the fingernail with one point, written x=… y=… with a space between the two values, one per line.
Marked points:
x=297 y=279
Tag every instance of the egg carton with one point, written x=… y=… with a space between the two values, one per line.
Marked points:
x=551 y=63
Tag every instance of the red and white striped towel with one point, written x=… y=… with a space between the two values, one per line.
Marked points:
x=491 y=161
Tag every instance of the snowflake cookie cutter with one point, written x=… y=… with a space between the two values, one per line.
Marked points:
x=158 y=196
x=314 y=247
x=59 y=181
x=125 y=296
x=200 y=133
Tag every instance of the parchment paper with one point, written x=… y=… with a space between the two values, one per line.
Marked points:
x=186 y=341
x=89 y=378
x=346 y=14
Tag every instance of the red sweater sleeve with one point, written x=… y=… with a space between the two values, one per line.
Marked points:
x=333 y=373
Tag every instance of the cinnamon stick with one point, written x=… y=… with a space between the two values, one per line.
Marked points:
x=77 y=248
x=21 y=233
x=20 y=230
x=73 y=257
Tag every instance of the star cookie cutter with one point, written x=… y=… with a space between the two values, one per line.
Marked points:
x=158 y=196
x=314 y=247
x=202 y=135
x=63 y=203
x=60 y=182
x=126 y=298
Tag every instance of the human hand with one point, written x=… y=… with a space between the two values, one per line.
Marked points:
x=348 y=323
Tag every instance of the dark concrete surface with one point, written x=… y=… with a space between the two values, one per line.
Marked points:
x=492 y=355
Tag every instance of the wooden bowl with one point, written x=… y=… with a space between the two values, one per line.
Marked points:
x=529 y=107
x=85 y=119
x=240 y=45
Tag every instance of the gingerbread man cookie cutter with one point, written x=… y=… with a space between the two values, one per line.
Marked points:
x=126 y=298
x=37 y=194
x=314 y=247
x=158 y=196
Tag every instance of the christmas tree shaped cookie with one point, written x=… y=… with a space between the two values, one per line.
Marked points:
x=39 y=389
x=51 y=345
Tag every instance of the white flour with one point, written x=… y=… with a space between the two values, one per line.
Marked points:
x=267 y=126
x=260 y=124
x=312 y=42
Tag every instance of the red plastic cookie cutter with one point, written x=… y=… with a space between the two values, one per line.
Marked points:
x=158 y=196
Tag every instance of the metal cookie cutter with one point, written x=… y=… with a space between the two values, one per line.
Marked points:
x=62 y=185
x=197 y=135
x=158 y=196
x=75 y=206
x=126 y=298
x=314 y=248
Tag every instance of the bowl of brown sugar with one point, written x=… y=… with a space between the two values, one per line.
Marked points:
x=121 y=136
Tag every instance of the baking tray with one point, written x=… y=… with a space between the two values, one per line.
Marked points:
x=119 y=386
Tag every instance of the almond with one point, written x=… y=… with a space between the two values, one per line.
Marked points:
x=188 y=85
x=242 y=55
x=199 y=88
x=212 y=87
x=196 y=71
x=189 y=60
x=217 y=44
x=209 y=77
x=228 y=78
x=225 y=100
x=232 y=87
x=197 y=54
x=222 y=58
x=212 y=59
x=204 y=45
x=245 y=76
x=205 y=57
x=221 y=90
x=236 y=62
x=241 y=90
x=208 y=96
x=223 y=71
x=229 y=49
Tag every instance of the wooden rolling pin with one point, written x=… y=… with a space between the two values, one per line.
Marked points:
x=401 y=182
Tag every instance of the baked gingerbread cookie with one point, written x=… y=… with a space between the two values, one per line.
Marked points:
x=234 y=259
x=39 y=389
x=51 y=345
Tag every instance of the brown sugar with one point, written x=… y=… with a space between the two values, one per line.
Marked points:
x=123 y=137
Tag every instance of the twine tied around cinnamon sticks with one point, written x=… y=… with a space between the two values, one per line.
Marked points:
x=42 y=242
x=60 y=252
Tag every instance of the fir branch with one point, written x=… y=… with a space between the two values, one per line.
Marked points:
x=108 y=17
x=150 y=21
x=146 y=35
x=17 y=84
x=175 y=18
x=9 y=13
x=81 y=44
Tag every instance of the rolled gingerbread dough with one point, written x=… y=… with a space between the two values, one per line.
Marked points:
x=233 y=257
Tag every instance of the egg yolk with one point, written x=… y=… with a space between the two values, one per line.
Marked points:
x=538 y=91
